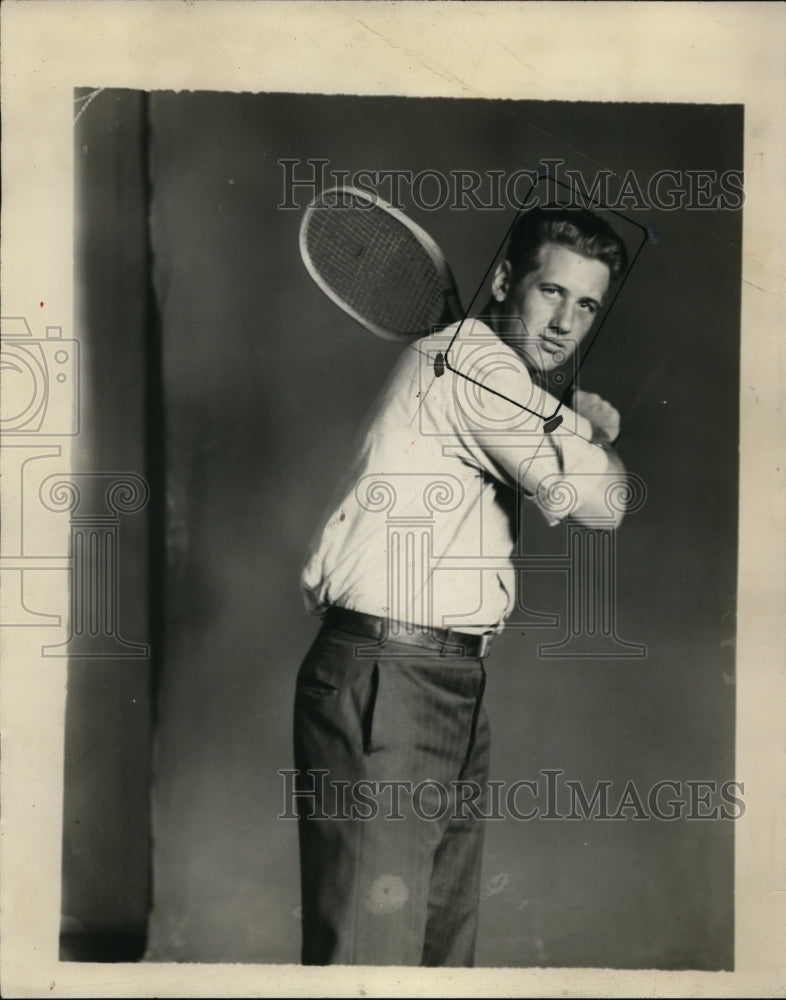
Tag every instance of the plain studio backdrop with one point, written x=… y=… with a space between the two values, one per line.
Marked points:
x=216 y=369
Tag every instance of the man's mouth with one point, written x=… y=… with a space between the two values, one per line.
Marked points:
x=552 y=347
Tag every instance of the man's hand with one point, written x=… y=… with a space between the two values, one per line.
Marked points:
x=602 y=416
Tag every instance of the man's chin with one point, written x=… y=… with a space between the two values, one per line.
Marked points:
x=539 y=359
x=542 y=361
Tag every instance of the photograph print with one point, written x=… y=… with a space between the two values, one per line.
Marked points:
x=424 y=416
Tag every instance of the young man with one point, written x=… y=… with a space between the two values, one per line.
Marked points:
x=412 y=573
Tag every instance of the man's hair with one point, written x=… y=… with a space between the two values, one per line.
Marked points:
x=578 y=229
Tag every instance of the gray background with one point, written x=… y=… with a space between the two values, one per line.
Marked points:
x=217 y=369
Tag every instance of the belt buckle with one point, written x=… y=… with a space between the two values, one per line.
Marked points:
x=485 y=646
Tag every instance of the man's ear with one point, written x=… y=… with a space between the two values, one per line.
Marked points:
x=502 y=280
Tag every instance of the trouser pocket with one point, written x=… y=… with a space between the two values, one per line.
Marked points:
x=335 y=698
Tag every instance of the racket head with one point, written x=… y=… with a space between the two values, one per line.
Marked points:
x=377 y=265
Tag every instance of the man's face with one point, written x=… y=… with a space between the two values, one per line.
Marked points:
x=547 y=314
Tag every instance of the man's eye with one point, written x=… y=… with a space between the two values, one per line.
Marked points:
x=590 y=306
x=550 y=290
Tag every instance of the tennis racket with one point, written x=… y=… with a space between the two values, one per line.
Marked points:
x=377 y=265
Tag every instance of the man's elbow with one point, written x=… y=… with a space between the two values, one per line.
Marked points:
x=607 y=502
x=598 y=515
x=595 y=497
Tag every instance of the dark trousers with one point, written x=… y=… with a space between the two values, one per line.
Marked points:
x=390 y=853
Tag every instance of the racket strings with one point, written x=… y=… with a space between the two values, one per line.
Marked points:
x=373 y=262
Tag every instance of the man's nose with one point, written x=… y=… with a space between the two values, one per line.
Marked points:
x=562 y=319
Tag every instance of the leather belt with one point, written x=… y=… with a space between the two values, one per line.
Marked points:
x=448 y=641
